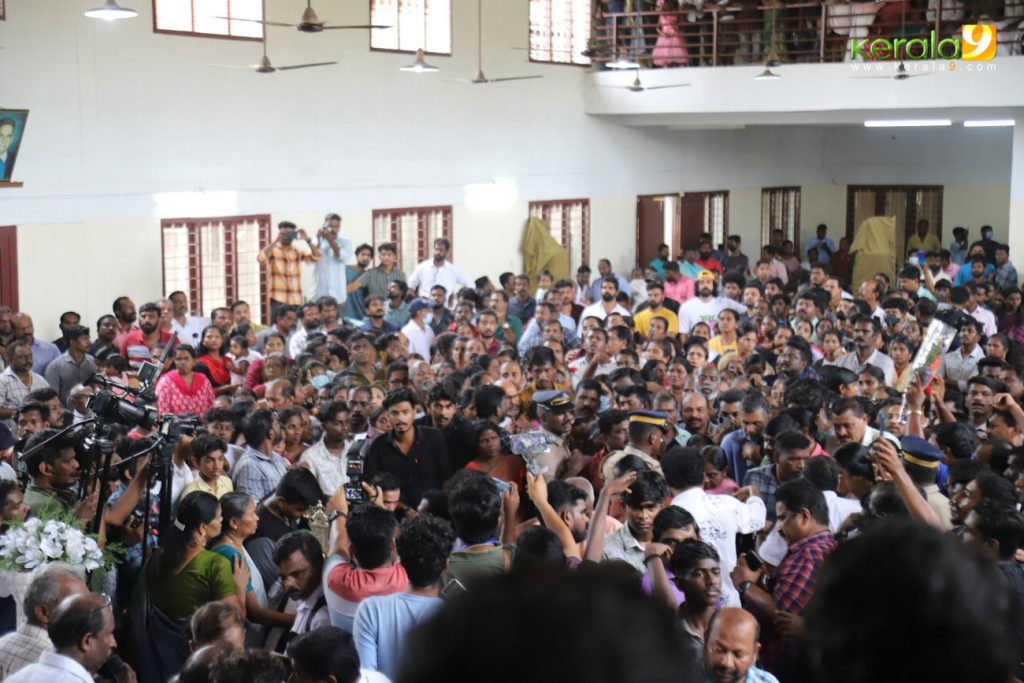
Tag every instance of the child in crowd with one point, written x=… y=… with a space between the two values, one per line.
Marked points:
x=239 y=357
x=545 y=281
x=208 y=461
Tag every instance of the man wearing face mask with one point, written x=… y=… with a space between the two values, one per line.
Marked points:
x=987 y=243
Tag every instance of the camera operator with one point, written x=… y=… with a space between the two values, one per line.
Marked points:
x=54 y=470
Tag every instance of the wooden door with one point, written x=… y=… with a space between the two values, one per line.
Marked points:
x=9 y=267
x=693 y=220
x=650 y=226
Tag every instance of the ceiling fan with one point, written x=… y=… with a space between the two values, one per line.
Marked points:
x=310 y=22
x=480 y=78
x=901 y=74
x=266 y=67
x=638 y=86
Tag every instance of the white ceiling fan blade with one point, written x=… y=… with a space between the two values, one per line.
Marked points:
x=663 y=87
x=374 y=27
x=512 y=78
x=257 y=21
x=247 y=67
x=304 y=66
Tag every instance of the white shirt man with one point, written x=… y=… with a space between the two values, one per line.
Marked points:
x=597 y=311
x=330 y=470
x=719 y=519
x=418 y=332
x=438 y=271
x=986 y=317
x=850 y=361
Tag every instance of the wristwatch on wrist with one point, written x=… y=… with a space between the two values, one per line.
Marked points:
x=744 y=585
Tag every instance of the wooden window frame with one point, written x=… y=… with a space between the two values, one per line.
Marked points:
x=195 y=280
x=200 y=34
x=546 y=207
x=9 y=266
x=571 y=62
x=451 y=37
x=881 y=190
x=769 y=197
x=424 y=245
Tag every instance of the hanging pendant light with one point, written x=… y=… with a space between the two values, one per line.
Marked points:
x=420 y=65
x=111 y=11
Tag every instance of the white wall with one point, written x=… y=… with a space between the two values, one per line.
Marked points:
x=120 y=115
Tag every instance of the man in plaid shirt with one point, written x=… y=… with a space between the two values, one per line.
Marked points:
x=803 y=522
x=284 y=281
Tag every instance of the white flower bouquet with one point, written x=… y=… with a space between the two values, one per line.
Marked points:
x=34 y=542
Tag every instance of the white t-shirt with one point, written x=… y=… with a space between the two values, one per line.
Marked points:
x=697 y=310
x=239 y=378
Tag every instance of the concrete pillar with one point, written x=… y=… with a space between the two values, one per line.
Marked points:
x=1016 y=226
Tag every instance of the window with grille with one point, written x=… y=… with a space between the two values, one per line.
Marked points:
x=908 y=203
x=559 y=31
x=415 y=25
x=716 y=216
x=209 y=18
x=569 y=222
x=214 y=260
x=780 y=210
x=413 y=231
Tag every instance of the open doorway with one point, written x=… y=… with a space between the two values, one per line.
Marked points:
x=679 y=220
x=908 y=203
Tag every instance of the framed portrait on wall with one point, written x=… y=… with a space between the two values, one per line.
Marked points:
x=12 y=131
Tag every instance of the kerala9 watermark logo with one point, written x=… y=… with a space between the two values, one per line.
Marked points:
x=976 y=43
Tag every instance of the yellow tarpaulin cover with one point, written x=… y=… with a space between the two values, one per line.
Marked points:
x=874 y=249
x=540 y=251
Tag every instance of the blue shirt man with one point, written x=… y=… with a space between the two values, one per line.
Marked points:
x=823 y=246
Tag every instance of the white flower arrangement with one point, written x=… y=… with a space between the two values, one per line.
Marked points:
x=35 y=542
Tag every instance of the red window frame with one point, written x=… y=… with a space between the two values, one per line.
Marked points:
x=545 y=209
x=202 y=34
x=424 y=241
x=231 y=260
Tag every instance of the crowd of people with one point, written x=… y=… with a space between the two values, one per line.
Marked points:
x=702 y=472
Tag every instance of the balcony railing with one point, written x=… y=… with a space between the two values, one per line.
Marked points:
x=791 y=32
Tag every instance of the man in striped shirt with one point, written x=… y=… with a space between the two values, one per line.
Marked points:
x=377 y=279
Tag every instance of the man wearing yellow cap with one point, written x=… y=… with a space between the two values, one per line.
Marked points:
x=705 y=307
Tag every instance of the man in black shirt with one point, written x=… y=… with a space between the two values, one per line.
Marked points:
x=280 y=514
x=443 y=414
x=417 y=455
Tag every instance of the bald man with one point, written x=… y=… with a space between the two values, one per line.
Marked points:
x=731 y=647
x=82 y=631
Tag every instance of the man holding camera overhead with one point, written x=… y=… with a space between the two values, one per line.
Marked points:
x=283 y=260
